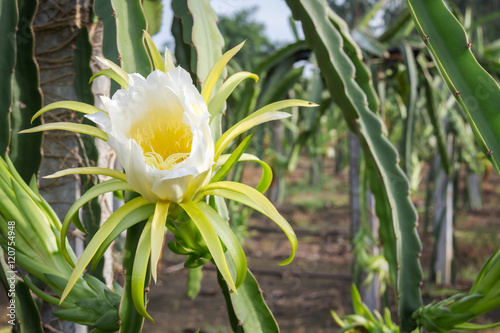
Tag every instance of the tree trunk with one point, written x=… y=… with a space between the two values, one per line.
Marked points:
x=56 y=27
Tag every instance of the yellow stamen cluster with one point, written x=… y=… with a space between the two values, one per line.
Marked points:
x=165 y=141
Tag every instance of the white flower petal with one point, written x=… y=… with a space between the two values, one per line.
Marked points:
x=174 y=98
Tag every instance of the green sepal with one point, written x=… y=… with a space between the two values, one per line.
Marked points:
x=234 y=249
x=26 y=310
x=194 y=261
x=216 y=71
x=44 y=296
x=229 y=162
x=77 y=315
x=71 y=105
x=134 y=217
x=97 y=285
x=72 y=127
x=140 y=269
x=157 y=234
x=216 y=102
x=90 y=171
x=98 y=305
x=112 y=297
x=117 y=69
x=95 y=191
x=265 y=114
x=99 y=238
x=211 y=239
x=109 y=320
x=112 y=75
x=176 y=248
x=154 y=54
x=251 y=197
x=57 y=283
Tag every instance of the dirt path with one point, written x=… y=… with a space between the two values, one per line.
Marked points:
x=302 y=294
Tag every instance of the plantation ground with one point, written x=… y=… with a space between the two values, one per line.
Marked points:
x=302 y=294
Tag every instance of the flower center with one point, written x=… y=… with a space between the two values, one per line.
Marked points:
x=165 y=141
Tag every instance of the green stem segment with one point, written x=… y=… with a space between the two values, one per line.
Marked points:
x=474 y=89
x=340 y=70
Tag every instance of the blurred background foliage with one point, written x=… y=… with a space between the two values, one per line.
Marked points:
x=441 y=162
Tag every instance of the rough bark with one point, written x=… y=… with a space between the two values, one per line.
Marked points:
x=56 y=26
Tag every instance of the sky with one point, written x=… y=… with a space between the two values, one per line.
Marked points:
x=274 y=14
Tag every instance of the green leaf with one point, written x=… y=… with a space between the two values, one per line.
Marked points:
x=97 y=304
x=99 y=237
x=43 y=236
x=77 y=315
x=475 y=90
x=44 y=296
x=34 y=266
x=211 y=239
x=81 y=290
x=202 y=34
x=251 y=197
x=232 y=244
x=72 y=127
x=97 y=285
x=158 y=230
x=216 y=103
x=289 y=51
x=26 y=310
x=109 y=320
x=140 y=269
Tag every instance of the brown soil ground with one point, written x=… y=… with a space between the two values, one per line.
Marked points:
x=302 y=294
